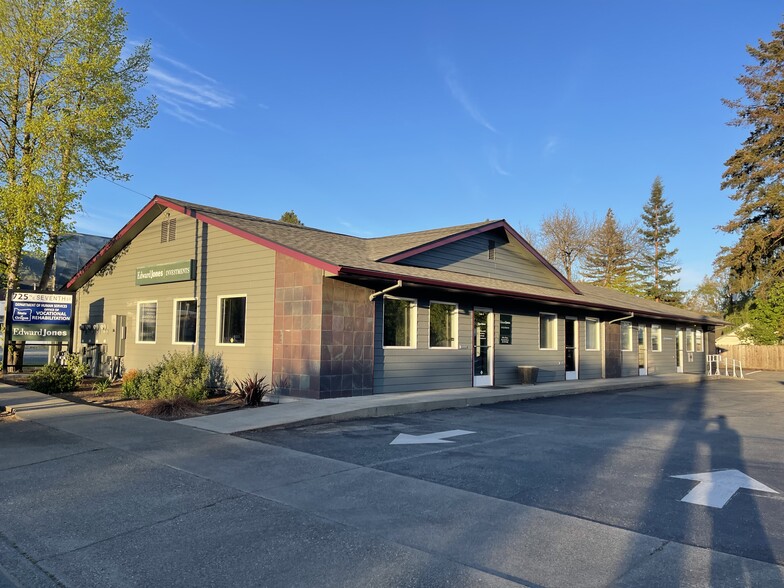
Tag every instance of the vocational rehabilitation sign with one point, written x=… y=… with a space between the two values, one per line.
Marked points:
x=42 y=317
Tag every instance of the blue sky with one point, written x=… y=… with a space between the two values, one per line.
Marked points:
x=374 y=118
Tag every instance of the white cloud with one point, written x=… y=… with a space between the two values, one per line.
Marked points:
x=186 y=93
x=451 y=78
x=551 y=145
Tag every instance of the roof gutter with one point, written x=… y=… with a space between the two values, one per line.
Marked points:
x=374 y=295
x=623 y=318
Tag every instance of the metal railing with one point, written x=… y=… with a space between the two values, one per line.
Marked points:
x=713 y=366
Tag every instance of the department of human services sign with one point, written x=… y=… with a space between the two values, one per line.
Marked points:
x=163 y=273
x=41 y=317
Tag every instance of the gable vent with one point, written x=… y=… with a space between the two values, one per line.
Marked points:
x=491 y=250
x=168 y=230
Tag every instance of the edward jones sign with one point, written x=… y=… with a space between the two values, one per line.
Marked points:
x=176 y=271
x=40 y=316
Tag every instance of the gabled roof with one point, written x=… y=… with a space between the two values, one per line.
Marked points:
x=348 y=256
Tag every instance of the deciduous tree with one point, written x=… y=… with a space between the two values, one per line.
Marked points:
x=565 y=237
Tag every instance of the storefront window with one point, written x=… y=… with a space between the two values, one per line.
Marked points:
x=655 y=337
x=443 y=327
x=591 y=334
x=626 y=336
x=548 y=331
x=232 y=320
x=185 y=321
x=146 y=327
x=398 y=322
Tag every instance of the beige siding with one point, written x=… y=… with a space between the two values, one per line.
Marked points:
x=226 y=265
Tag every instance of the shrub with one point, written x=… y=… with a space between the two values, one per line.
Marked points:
x=251 y=389
x=102 y=385
x=53 y=378
x=173 y=408
x=73 y=361
x=176 y=375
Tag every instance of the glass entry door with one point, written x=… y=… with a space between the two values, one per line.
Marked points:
x=483 y=347
x=570 y=348
x=642 y=351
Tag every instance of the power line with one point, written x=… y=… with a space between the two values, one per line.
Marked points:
x=126 y=188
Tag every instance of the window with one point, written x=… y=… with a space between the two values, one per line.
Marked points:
x=185 y=321
x=231 y=310
x=656 y=338
x=548 y=331
x=443 y=324
x=399 y=322
x=146 y=325
x=700 y=344
x=626 y=336
x=689 y=339
x=591 y=334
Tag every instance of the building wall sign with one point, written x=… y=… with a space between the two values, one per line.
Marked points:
x=41 y=317
x=163 y=273
x=505 y=330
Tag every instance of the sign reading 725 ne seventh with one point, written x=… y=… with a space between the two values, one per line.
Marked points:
x=40 y=316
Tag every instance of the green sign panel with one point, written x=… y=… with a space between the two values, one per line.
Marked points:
x=163 y=273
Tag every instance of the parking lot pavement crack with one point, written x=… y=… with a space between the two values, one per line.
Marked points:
x=29 y=560
x=59 y=457
x=137 y=529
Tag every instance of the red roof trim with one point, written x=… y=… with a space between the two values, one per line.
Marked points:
x=128 y=226
x=346 y=271
x=298 y=255
x=478 y=231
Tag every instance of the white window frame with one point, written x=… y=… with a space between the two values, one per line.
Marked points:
x=139 y=320
x=658 y=330
x=412 y=335
x=699 y=341
x=626 y=326
x=453 y=319
x=689 y=343
x=598 y=341
x=176 y=318
x=554 y=329
x=219 y=321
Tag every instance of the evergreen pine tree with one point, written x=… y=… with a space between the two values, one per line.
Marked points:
x=756 y=174
x=609 y=261
x=657 y=263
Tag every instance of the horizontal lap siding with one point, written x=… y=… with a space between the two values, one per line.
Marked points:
x=408 y=370
x=524 y=350
x=233 y=266
x=590 y=362
x=470 y=256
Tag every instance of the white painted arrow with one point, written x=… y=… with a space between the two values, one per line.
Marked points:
x=716 y=488
x=405 y=439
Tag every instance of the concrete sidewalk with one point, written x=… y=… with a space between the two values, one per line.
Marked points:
x=301 y=412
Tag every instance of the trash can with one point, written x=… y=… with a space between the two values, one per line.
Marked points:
x=528 y=374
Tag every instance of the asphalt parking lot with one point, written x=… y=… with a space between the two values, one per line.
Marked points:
x=608 y=458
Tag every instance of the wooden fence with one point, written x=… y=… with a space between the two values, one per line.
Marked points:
x=757 y=357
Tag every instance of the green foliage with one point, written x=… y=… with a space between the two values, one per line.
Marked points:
x=53 y=378
x=73 y=361
x=766 y=317
x=291 y=218
x=67 y=109
x=609 y=261
x=656 y=262
x=251 y=389
x=177 y=374
x=755 y=172
x=102 y=385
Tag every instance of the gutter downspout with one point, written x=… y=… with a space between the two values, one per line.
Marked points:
x=399 y=284
x=623 y=318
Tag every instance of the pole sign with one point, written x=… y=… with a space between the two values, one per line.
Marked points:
x=43 y=317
